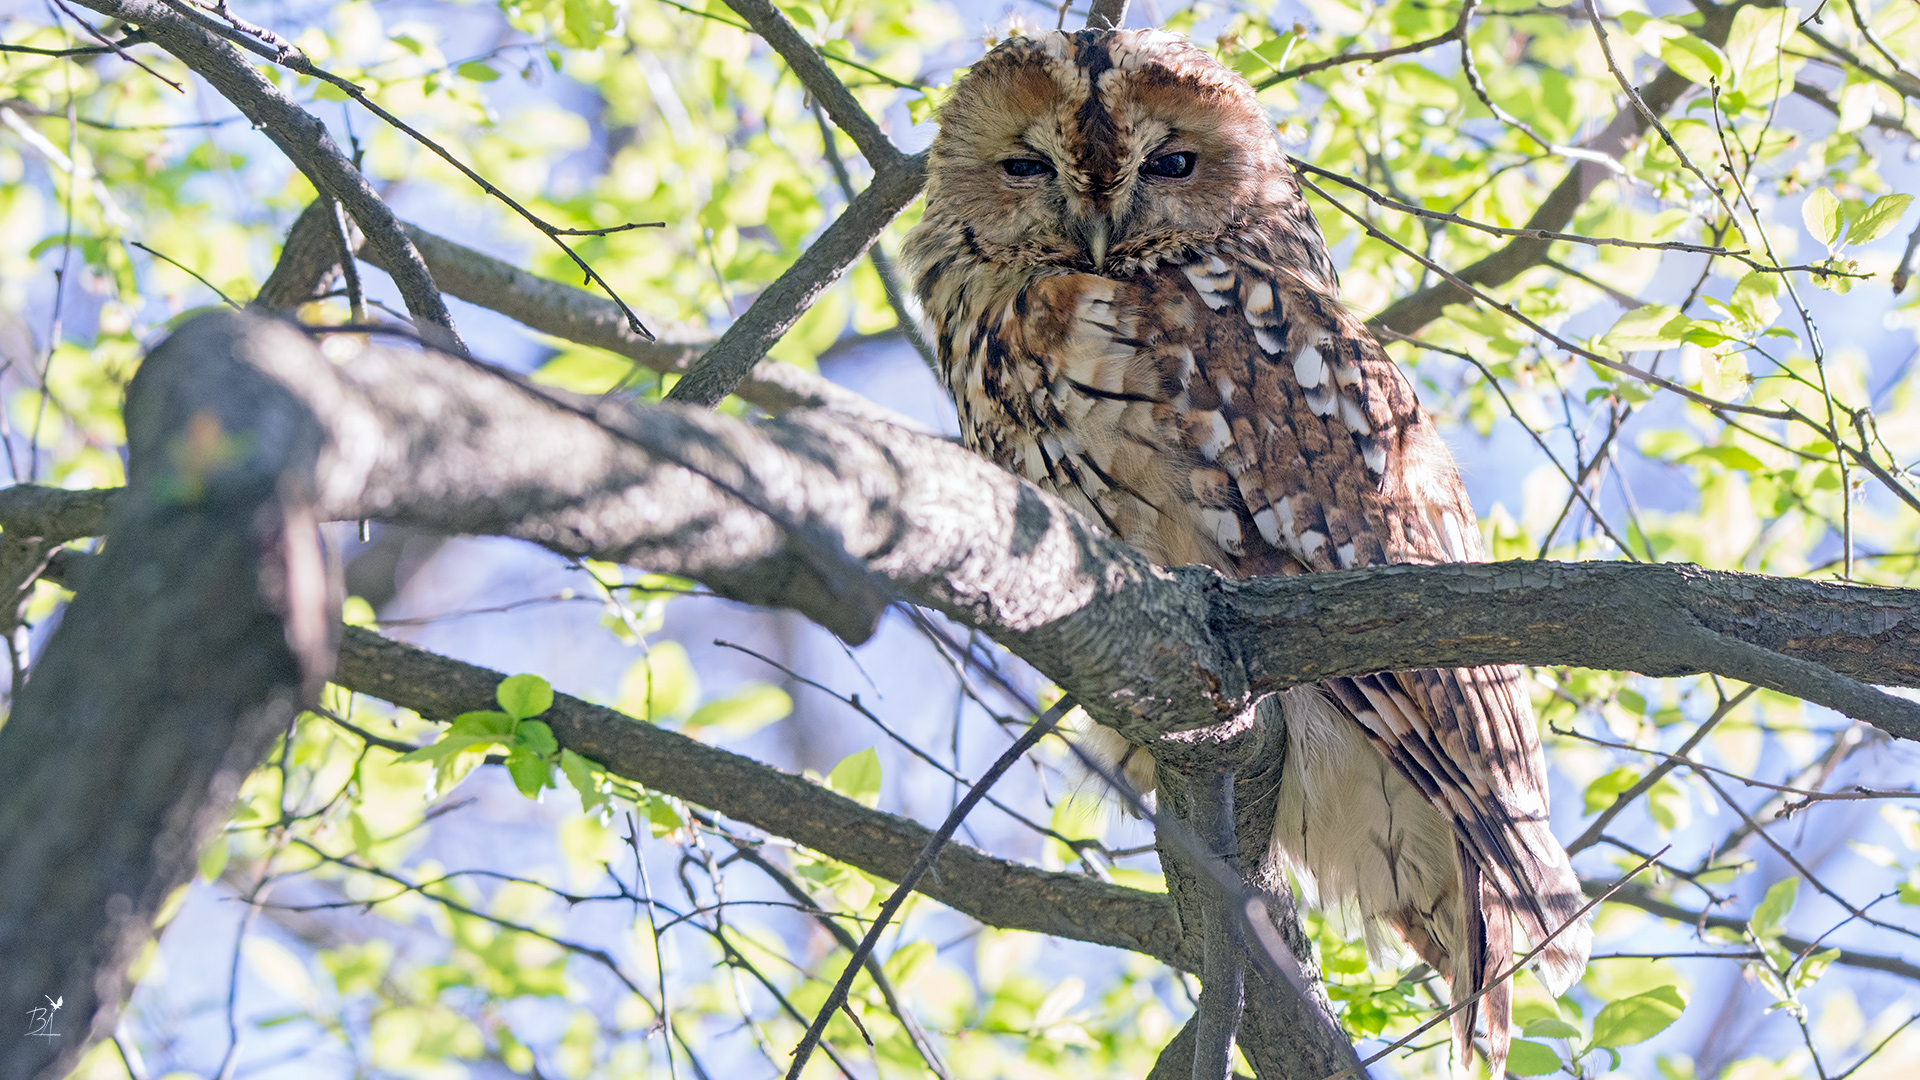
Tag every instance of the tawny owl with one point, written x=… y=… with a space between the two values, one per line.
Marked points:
x=1134 y=308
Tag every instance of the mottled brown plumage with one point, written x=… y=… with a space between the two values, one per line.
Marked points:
x=1134 y=308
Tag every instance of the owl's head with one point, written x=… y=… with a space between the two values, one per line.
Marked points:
x=1102 y=151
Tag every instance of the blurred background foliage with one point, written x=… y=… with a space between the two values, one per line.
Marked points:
x=375 y=911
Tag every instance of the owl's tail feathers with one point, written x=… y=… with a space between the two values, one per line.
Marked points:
x=1547 y=910
x=1112 y=757
x=1478 y=969
x=1548 y=902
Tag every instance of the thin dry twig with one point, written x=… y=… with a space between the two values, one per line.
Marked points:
x=928 y=855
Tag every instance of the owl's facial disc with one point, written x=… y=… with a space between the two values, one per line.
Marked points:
x=1100 y=152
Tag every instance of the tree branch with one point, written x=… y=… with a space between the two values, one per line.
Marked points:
x=820 y=81
x=236 y=418
x=554 y=307
x=793 y=292
x=1640 y=896
x=1408 y=314
x=304 y=139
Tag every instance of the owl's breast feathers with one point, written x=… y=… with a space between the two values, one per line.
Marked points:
x=1225 y=409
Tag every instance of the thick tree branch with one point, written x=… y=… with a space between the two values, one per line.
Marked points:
x=55 y=515
x=305 y=141
x=214 y=612
x=235 y=417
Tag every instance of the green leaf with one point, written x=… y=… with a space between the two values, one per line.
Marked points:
x=1753 y=51
x=579 y=773
x=1878 y=219
x=484 y=722
x=530 y=771
x=1754 y=304
x=1695 y=59
x=1602 y=791
x=1773 y=908
x=477 y=72
x=1731 y=456
x=523 y=696
x=535 y=737
x=1813 y=967
x=1822 y=213
x=1525 y=1058
x=1649 y=327
x=449 y=745
x=1551 y=1027
x=857 y=777
x=1667 y=805
x=362 y=836
x=755 y=706
x=662 y=818
x=1638 y=1018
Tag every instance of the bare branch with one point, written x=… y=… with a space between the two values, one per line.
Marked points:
x=817 y=268
x=1410 y=313
x=1640 y=896
x=55 y=515
x=820 y=81
x=299 y=135
x=554 y=307
x=1451 y=34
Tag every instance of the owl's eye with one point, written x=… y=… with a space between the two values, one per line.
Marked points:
x=1021 y=166
x=1171 y=166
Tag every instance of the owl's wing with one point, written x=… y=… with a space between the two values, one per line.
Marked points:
x=1336 y=466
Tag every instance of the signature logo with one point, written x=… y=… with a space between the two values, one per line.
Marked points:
x=40 y=1017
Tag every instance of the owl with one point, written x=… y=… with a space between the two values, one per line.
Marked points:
x=1134 y=308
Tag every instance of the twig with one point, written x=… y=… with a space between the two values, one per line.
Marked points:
x=750 y=853
x=1658 y=772
x=841 y=60
x=908 y=745
x=298 y=134
x=1358 y=58
x=653 y=932
x=284 y=53
x=1513 y=313
x=183 y=268
x=817 y=268
x=1902 y=82
x=1046 y=723
x=825 y=88
x=349 y=267
x=1904 y=272
x=117 y=47
x=1472 y=72
x=1638 y=897
x=1633 y=95
x=1576 y=485
x=1500 y=230
x=569 y=312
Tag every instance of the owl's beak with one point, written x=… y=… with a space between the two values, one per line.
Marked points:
x=1095 y=231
